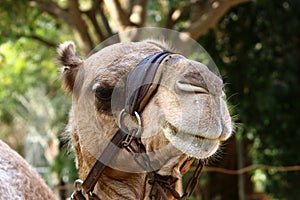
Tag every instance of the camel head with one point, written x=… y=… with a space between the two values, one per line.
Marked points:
x=186 y=116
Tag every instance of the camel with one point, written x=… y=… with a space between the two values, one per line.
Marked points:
x=18 y=179
x=186 y=117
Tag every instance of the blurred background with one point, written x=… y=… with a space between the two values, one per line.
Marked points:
x=255 y=44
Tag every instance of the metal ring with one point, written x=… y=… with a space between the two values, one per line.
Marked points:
x=137 y=116
x=78 y=184
x=120 y=117
x=72 y=197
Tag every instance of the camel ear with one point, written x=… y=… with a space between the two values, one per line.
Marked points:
x=71 y=63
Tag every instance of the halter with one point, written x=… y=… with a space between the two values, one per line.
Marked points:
x=141 y=85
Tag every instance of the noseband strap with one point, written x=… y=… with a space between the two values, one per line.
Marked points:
x=143 y=80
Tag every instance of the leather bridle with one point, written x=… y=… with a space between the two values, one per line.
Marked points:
x=141 y=84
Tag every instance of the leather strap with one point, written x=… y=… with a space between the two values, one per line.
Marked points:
x=78 y=195
x=105 y=158
x=143 y=80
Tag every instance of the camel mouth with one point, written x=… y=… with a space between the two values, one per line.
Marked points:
x=191 y=87
x=193 y=145
x=176 y=130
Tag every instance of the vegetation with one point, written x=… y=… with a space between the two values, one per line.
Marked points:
x=255 y=45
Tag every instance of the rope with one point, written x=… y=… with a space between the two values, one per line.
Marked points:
x=249 y=168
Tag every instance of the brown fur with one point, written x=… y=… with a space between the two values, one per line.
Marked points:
x=71 y=63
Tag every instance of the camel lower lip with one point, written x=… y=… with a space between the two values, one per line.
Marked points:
x=175 y=131
x=192 y=145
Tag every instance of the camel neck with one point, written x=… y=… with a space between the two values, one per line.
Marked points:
x=115 y=184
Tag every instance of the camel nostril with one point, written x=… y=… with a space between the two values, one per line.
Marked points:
x=189 y=87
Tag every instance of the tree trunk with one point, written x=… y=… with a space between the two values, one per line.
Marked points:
x=209 y=16
x=80 y=28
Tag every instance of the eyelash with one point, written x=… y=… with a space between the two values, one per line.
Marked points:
x=104 y=95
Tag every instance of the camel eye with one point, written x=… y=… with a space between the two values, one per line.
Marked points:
x=103 y=94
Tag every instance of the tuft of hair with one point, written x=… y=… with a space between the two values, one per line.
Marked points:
x=164 y=45
x=67 y=54
x=70 y=61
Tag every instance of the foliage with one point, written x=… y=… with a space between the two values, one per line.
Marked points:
x=64 y=165
x=27 y=66
x=20 y=19
x=257 y=48
x=21 y=68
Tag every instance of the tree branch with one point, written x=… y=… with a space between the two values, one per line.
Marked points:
x=72 y=17
x=129 y=7
x=117 y=13
x=170 y=22
x=105 y=21
x=209 y=17
x=80 y=27
x=138 y=12
x=175 y=15
x=39 y=39
x=42 y=40
x=92 y=16
x=52 y=9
